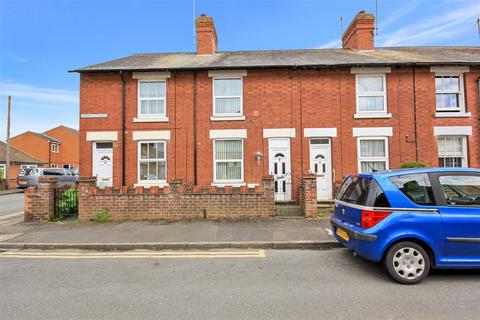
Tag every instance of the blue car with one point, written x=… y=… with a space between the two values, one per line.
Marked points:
x=411 y=220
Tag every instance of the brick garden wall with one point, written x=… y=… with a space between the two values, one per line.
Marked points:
x=175 y=202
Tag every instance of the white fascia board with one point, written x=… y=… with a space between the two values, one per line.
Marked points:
x=279 y=133
x=320 y=132
x=455 y=70
x=452 y=131
x=229 y=133
x=151 y=75
x=151 y=135
x=371 y=70
x=373 y=132
x=102 y=136
x=227 y=73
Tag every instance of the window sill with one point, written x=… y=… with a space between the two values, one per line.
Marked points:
x=380 y=115
x=232 y=118
x=159 y=119
x=235 y=184
x=151 y=184
x=452 y=115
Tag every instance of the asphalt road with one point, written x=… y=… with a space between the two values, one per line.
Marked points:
x=282 y=285
x=11 y=203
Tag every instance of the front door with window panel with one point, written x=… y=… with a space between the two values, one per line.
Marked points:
x=103 y=163
x=321 y=166
x=280 y=168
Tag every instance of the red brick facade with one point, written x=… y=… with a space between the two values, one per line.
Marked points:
x=296 y=98
x=274 y=99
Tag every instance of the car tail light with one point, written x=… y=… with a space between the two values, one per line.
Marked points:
x=370 y=217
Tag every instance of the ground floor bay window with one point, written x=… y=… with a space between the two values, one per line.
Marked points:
x=228 y=161
x=452 y=151
x=152 y=164
x=372 y=154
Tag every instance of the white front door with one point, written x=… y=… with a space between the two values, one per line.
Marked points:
x=103 y=163
x=280 y=167
x=321 y=166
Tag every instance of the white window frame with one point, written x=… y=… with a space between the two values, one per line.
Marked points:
x=227 y=115
x=55 y=148
x=461 y=94
x=228 y=182
x=3 y=167
x=358 y=94
x=28 y=166
x=361 y=159
x=139 y=151
x=464 y=148
x=140 y=115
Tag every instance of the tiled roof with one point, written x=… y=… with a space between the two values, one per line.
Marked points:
x=16 y=156
x=321 y=58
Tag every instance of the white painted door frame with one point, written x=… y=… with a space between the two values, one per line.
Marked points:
x=321 y=165
x=102 y=164
x=279 y=165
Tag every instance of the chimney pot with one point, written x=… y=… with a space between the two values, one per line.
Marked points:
x=359 y=34
x=206 y=35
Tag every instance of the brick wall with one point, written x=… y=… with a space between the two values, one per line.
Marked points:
x=281 y=98
x=308 y=196
x=175 y=202
x=39 y=202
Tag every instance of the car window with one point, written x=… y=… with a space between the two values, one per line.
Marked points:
x=416 y=187
x=53 y=172
x=376 y=196
x=462 y=190
x=354 y=190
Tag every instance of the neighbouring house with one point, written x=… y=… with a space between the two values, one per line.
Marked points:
x=18 y=160
x=57 y=147
x=228 y=118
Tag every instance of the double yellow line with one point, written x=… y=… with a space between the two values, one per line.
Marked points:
x=134 y=255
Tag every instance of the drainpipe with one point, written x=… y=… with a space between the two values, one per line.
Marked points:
x=122 y=76
x=195 y=128
x=415 y=113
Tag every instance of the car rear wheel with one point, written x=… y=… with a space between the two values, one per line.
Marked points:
x=407 y=262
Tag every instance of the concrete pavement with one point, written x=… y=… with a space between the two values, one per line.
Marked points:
x=291 y=233
x=294 y=284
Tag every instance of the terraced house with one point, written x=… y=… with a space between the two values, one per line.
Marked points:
x=222 y=118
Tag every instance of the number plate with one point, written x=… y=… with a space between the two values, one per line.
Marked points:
x=22 y=182
x=342 y=234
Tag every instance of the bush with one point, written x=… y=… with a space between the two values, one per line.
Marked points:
x=102 y=216
x=413 y=164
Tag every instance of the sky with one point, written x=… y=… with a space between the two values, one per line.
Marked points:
x=40 y=40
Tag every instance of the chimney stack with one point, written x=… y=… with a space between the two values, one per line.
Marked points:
x=206 y=35
x=359 y=34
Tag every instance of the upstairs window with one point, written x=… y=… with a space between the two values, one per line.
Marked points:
x=371 y=94
x=227 y=97
x=152 y=98
x=55 y=148
x=452 y=151
x=449 y=93
x=372 y=154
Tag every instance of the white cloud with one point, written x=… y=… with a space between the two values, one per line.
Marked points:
x=337 y=43
x=394 y=16
x=37 y=94
x=13 y=56
x=434 y=29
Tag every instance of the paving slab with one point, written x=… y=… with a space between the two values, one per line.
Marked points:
x=301 y=233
